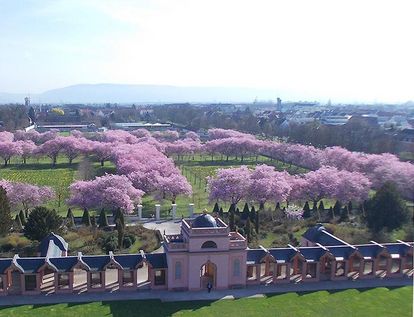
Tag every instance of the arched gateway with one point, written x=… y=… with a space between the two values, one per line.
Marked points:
x=208 y=273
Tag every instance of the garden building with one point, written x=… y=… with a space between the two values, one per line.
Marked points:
x=204 y=252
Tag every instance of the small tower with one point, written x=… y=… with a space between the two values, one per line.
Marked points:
x=27 y=102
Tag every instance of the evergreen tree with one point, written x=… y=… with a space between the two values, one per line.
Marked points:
x=231 y=217
x=237 y=211
x=337 y=209
x=314 y=208
x=216 y=208
x=6 y=220
x=247 y=230
x=70 y=219
x=86 y=219
x=18 y=223
x=119 y=215
x=22 y=217
x=278 y=206
x=221 y=212
x=321 y=206
x=350 y=207
x=41 y=222
x=103 y=220
x=246 y=212
x=252 y=214
x=386 y=210
x=256 y=222
x=344 y=213
x=93 y=221
x=306 y=210
x=331 y=212
x=120 y=229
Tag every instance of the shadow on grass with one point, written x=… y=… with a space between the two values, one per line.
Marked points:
x=152 y=308
x=41 y=166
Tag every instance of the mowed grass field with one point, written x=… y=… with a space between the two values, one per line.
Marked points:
x=371 y=302
x=40 y=172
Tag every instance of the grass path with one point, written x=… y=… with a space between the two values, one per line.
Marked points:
x=375 y=302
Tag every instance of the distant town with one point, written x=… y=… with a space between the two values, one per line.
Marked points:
x=372 y=128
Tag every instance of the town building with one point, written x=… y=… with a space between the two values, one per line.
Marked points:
x=204 y=252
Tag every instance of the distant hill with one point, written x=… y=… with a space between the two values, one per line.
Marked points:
x=119 y=93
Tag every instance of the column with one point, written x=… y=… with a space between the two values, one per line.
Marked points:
x=191 y=210
x=139 y=212
x=173 y=210
x=157 y=211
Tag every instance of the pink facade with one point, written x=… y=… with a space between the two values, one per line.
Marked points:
x=201 y=255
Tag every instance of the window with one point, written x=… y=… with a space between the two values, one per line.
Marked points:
x=178 y=270
x=30 y=282
x=127 y=277
x=159 y=277
x=209 y=244
x=1 y=282
x=96 y=279
x=63 y=280
x=236 y=267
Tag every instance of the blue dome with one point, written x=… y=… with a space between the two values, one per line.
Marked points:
x=204 y=221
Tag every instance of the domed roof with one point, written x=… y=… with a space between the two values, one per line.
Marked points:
x=204 y=221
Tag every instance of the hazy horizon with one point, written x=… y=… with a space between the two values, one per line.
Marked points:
x=349 y=51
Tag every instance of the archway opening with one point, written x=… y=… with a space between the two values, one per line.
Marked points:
x=15 y=286
x=143 y=275
x=208 y=273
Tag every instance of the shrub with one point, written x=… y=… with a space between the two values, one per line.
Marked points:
x=386 y=210
x=110 y=243
x=41 y=222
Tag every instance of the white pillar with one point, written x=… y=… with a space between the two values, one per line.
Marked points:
x=191 y=210
x=157 y=211
x=139 y=212
x=173 y=210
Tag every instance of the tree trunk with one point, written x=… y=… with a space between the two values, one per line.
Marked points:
x=102 y=163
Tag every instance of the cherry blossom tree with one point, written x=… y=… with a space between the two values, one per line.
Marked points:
x=76 y=133
x=32 y=135
x=47 y=136
x=267 y=184
x=108 y=191
x=26 y=195
x=172 y=186
x=28 y=148
x=141 y=133
x=230 y=185
x=192 y=136
x=352 y=186
x=51 y=149
x=102 y=150
x=6 y=136
x=9 y=149
x=72 y=146
x=166 y=136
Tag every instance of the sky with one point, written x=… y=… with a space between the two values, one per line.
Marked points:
x=349 y=50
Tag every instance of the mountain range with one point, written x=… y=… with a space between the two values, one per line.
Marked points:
x=141 y=94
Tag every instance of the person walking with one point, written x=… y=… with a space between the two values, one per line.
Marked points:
x=209 y=286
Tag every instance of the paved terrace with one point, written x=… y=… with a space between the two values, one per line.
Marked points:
x=169 y=296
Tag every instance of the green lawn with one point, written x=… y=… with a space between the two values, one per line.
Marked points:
x=40 y=172
x=373 y=302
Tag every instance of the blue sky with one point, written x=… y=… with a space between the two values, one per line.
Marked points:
x=320 y=49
